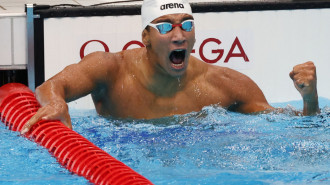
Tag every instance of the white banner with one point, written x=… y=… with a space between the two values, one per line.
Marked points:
x=264 y=45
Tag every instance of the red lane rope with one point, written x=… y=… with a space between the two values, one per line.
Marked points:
x=73 y=151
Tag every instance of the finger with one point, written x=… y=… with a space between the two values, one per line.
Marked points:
x=33 y=120
x=28 y=125
x=50 y=116
x=25 y=128
x=308 y=66
x=302 y=83
x=296 y=72
x=66 y=121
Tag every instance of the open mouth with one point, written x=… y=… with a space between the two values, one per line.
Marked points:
x=177 y=57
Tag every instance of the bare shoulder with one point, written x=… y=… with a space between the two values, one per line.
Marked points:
x=100 y=60
x=230 y=75
x=223 y=76
x=235 y=82
x=102 y=64
x=243 y=93
x=221 y=79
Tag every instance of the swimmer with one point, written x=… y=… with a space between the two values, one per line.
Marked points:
x=161 y=79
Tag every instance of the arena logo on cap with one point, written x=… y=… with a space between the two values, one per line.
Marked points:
x=171 y=6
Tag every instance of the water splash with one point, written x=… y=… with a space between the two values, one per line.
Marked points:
x=263 y=148
x=212 y=146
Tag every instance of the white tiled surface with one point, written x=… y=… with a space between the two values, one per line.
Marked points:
x=5 y=44
x=19 y=42
x=13 y=42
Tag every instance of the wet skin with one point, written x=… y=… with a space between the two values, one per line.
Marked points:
x=146 y=83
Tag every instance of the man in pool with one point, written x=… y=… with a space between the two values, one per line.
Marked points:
x=161 y=79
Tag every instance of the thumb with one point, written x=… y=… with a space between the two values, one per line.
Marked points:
x=291 y=74
x=67 y=121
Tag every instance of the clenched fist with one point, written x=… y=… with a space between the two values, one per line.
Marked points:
x=304 y=79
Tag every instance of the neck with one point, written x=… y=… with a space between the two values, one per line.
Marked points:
x=165 y=85
x=156 y=80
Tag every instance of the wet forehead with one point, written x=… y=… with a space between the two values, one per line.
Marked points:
x=173 y=18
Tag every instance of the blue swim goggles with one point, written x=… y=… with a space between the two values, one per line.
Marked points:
x=165 y=27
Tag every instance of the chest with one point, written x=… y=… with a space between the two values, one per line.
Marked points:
x=135 y=101
x=127 y=98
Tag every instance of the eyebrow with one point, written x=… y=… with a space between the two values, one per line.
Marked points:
x=163 y=20
x=169 y=20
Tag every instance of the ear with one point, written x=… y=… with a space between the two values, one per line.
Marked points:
x=146 y=38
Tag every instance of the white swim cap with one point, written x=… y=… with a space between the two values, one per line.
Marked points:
x=152 y=9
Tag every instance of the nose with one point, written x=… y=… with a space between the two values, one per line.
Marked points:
x=178 y=36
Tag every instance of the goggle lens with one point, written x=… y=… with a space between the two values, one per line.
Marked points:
x=187 y=26
x=166 y=27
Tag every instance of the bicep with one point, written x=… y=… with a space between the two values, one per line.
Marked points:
x=249 y=97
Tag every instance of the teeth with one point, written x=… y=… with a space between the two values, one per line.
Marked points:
x=179 y=50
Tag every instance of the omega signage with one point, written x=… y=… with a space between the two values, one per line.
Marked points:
x=218 y=52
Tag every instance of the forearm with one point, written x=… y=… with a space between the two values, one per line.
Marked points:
x=73 y=82
x=311 y=106
x=49 y=92
x=70 y=84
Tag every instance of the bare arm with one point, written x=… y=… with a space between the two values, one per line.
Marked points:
x=73 y=82
x=303 y=75
x=249 y=97
x=304 y=79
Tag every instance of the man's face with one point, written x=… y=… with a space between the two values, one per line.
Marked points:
x=171 y=50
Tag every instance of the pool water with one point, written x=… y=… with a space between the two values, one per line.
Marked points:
x=210 y=147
